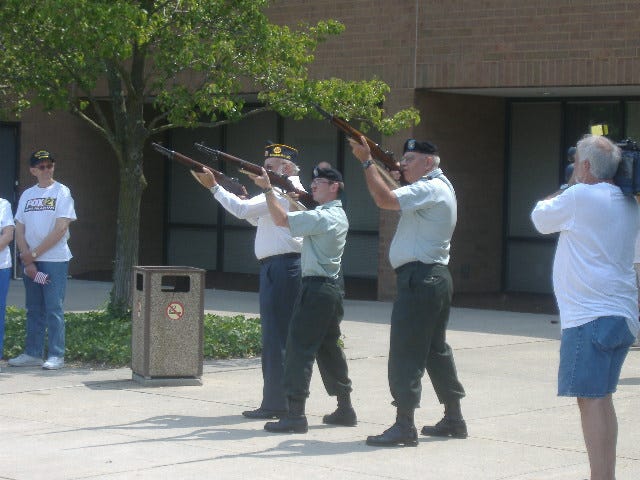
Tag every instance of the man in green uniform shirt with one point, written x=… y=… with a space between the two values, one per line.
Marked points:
x=314 y=330
x=419 y=253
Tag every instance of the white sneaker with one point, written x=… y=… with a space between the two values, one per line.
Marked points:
x=24 y=360
x=53 y=363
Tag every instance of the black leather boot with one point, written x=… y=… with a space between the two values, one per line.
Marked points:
x=344 y=415
x=264 y=413
x=447 y=427
x=293 y=422
x=401 y=433
x=452 y=424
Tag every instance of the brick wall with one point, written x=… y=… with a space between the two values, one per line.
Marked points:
x=473 y=43
x=518 y=43
x=378 y=41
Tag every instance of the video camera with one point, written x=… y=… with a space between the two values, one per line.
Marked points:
x=627 y=176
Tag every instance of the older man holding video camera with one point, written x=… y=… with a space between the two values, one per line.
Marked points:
x=595 y=287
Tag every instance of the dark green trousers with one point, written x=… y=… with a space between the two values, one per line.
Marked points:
x=314 y=332
x=418 y=336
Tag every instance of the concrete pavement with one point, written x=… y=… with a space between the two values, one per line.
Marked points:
x=79 y=423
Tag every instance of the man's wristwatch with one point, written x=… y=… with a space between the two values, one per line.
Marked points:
x=366 y=164
x=34 y=254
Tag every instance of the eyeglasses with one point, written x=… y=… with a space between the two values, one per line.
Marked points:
x=41 y=167
x=317 y=181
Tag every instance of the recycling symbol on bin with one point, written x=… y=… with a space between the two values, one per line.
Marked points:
x=175 y=310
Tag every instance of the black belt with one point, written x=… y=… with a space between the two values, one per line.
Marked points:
x=319 y=278
x=416 y=264
x=282 y=255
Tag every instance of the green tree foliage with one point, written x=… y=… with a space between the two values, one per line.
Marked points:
x=135 y=68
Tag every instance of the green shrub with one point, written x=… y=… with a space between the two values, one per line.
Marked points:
x=99 y=339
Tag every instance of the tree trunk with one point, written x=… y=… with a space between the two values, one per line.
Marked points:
x=132 y=184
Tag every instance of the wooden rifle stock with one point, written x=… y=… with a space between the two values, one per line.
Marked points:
x=386 y=158
x=228 y=183
x=281 y=181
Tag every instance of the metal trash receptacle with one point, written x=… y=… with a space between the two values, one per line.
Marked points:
x=167 y=325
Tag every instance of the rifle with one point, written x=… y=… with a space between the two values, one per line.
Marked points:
x=230 y=184
x=277 y=180
x=384 y=157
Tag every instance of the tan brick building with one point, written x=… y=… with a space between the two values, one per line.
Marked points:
x=503 y=87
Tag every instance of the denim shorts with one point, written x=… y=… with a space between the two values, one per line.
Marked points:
x=591 y=357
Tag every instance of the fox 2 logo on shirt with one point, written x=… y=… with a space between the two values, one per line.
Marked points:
x=40 y=204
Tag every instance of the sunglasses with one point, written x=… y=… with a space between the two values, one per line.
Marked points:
x=41 y=167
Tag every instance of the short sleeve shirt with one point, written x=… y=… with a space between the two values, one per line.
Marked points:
x=38 y=210
x=593 y=272
x=324 y=232
x=428 y=216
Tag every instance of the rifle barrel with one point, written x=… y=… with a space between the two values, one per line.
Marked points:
x=281 y=181
x=386 y=158
x=228 y=183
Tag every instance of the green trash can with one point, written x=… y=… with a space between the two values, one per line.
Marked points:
x=167 y=325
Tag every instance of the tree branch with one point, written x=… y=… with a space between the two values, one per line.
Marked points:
x=169 y=126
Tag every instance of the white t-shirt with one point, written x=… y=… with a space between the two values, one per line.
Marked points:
x=38 y=210
x=6 y=219
x=593 y=273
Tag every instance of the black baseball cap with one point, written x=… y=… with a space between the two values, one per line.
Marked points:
x=40 y=156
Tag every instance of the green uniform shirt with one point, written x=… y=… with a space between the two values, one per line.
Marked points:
x=428 y=218
x=324 y=232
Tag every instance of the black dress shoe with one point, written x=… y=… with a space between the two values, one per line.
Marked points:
x=264 y=414
x=288 y=424
x=446 y=427
x=399 y=434
x=342 y=416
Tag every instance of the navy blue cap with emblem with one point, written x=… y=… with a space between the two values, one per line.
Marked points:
x=279 y=150
x=426 y=147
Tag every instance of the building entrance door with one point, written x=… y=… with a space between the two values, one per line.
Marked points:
x=8 y=161
x=9 y=141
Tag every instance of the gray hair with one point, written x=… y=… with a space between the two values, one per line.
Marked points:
x=603 y=155
x=295 y=168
